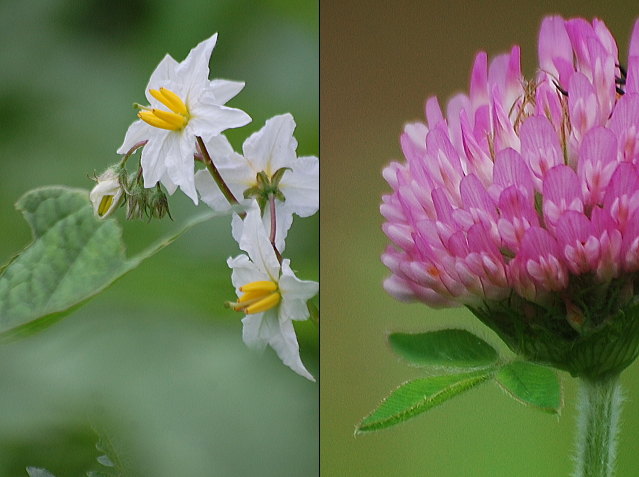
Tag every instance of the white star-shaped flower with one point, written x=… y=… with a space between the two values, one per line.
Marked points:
x=270 y=149
x=270 y=295
x=184 y=104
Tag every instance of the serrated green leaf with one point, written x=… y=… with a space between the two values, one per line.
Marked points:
x=420 y=395
x=450 y=348
x=73 y=257
x=531 y=384
x=37 y=472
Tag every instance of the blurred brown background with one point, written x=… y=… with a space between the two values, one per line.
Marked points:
x=379 y=61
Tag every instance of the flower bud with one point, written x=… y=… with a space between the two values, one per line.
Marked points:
x=158 y=203
x=108 y=194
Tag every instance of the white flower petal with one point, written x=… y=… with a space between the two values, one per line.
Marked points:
x=224 y=90
x=255 y=242
x=295 y=293
x=168 y=184
x=210 y=193
x=273 y=146
x=161 y=145
x=263 y=328
x=193 y=72
x=208 y=120
x=237 y=227
x=300 y=186
x=237 y=173
x=245 y=271
x=257 y=331
x=218 y=147
x=181 y=166
x=162 y=76
x=138 y=131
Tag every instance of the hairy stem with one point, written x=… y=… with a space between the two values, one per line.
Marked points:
x=599 y=407
x=217 y=177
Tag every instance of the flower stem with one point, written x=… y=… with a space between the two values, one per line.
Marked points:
x=134 y=148
x=599 y=407
x=271 y=203
x=217 y=177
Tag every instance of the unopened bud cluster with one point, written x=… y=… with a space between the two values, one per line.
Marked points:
x=116 y=188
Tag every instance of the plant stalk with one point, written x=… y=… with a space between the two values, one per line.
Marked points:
x=599 y=407
x=216 y=176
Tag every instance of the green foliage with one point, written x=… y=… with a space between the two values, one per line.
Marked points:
x=454 y=348
x=73 y=257
x=463 y=361
x=531 y=384
x=418 y=396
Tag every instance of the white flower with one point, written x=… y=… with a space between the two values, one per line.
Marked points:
x=183 y=104
x=268 y=150
x=270 y=295
x=107 y=195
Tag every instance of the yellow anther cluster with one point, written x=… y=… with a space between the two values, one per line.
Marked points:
x=257 y=297
x=172 y=120
x=105 y=205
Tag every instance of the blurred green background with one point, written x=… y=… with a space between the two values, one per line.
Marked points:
x=379 y=63
x=156 y=359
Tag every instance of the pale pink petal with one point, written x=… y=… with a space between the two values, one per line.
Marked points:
x=539 y=147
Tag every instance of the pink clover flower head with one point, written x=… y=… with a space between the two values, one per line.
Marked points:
x=522 y=201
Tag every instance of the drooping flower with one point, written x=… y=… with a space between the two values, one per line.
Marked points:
x=184 y=104
x=270 y=295
x=269 y=164
x=108 y=193
x=523 y=202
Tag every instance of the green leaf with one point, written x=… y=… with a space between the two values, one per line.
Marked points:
x=533 y=385
x=451 y=348
x=420 y=395
x=73 y=257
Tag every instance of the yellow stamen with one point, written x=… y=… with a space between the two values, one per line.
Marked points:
x=105 y=204
x=149 y=118
x=251 y=297
x=170 y=100
x=262 y=286
x=176 y=120
x=264 y=304
x=257 y=297
x=173 y=120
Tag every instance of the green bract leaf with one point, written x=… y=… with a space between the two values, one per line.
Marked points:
x=451 y=348
x=420 y=395
x=73 y=257
x=532 y=384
